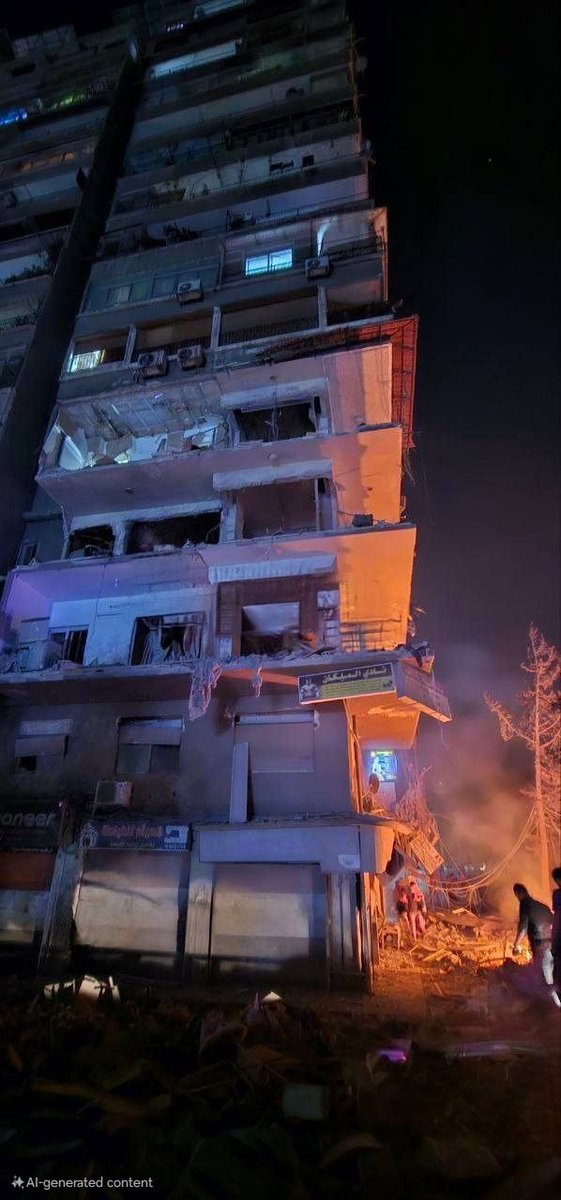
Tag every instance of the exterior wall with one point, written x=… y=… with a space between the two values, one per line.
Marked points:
x=312 y=568
x=201 y=788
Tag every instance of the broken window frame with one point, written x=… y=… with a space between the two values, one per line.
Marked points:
x=45 y=754
x=72 y=641
x=152 y=652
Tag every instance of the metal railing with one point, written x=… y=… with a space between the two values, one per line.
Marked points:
x=19 y=321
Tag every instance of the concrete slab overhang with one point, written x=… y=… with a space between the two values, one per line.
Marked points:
x=355 y=842
x=180 y=479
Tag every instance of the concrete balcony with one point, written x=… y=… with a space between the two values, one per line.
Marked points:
x=357 y=272
x=211 y=192
x=221 y=151
x=20 y=323
x=107 y=599
x=245 y=73
x=171 y=479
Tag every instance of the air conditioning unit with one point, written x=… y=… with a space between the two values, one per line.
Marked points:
x=318 y=268
x=190 y=357
x=153 y=363
x=190 y=290
x=112 y=793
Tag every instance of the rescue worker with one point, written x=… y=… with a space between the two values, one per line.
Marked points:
x=534 y=922
x=401 y=903
x=416 y=910
x=556 y=932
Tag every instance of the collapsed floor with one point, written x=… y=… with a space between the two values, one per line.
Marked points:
x=445 y=1083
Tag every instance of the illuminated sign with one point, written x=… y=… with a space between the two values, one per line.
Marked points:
x=346 y=682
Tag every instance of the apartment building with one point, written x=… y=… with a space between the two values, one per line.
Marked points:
x=207 y=685
x=59 y=156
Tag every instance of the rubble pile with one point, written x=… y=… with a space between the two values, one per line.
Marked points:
x=457 y=939
x=259 y=1102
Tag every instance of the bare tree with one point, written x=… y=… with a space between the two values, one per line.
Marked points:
x=538 y=725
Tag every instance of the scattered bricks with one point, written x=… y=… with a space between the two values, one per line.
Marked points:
x=305 y=1101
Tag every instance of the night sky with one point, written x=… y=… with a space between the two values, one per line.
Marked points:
x=459 y=105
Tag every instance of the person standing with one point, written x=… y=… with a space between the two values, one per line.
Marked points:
x=416 y=910
x=534 y=922
x=556 y=931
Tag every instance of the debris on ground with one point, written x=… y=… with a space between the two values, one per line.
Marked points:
x=452 y=939
x=270 y=1099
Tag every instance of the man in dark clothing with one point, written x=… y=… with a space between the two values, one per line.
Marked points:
x=534 y=922
x=556 y=935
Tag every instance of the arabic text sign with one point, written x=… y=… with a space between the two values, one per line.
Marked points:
x=346 y=682
x=115 y=834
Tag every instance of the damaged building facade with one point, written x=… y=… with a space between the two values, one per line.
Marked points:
x=205 y=686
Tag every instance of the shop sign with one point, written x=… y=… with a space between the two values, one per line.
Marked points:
x=150 y=834
x=30 y=827
x=346 y=682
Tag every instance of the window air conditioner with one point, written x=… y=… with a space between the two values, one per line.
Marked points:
x=190 y=290
x=153 y=363
x=189 y=357
x=113 y=793
x=318 y=268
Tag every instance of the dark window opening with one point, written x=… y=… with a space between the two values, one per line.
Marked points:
x=147 y=759
x=174 y=532
x=172 y=336
x=40 y=764
x=72 y=643
x=40 y=223
x=28 y=763
x=274 y=424
x=269 y=628
x=167 y=639
x=9 y=370
x=27 y=554
x=279 y=508
x=91 y=543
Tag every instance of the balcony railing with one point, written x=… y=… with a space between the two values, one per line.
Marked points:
x=368 y=635
x=254 y=333
x=21 y=320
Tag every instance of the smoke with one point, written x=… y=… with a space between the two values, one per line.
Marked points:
x=476 y=784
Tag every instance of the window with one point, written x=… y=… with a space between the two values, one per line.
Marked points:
x=86 y=361
x=40 y=755
x=263 y=264
x=278 y=741
x=72 y=643
x=269 y=628
x=27 y=554
x=186 y=62
x=149 y=747
x=172 y=638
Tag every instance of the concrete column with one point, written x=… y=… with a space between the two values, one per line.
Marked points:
x=121 y=530
x=129 y=348
x=215 y=330
x=199 y=919
x=322 y=308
